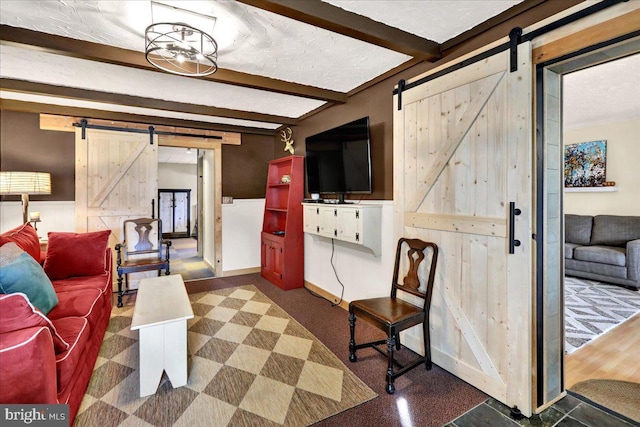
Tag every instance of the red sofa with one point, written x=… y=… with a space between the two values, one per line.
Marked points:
x=50 y=359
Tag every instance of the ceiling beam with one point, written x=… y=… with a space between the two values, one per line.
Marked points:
x=23 y=86
x=113 y=55
x=337 y=20
x=42 y=108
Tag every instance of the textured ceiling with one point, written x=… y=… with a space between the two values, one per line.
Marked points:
x=252 y=41
x=605 y=93
x=435 y=20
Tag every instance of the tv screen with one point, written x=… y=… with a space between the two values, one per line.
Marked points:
x=339 y=159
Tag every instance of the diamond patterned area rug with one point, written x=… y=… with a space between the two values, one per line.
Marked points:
x=250 y=363
x=592 y=308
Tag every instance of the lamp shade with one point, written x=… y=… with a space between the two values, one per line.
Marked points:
x=25 y=183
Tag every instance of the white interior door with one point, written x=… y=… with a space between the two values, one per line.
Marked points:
x=116 y=179
x=462 y=153
x=166 y=212
x=180 y=209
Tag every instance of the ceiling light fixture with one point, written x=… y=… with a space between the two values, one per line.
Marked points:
x=179 y=47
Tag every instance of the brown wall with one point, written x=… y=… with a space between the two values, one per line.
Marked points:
x=24 y=147
x=244 y=167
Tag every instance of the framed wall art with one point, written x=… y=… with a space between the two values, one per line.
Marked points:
x=585 y=164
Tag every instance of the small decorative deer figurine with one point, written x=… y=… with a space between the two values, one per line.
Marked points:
x=286 y=138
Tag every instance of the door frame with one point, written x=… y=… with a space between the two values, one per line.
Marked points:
x=548 y=142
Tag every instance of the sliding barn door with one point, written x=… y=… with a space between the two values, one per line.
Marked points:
x=462 y=154
x=116 y=179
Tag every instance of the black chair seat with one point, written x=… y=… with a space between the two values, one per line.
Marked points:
x=393 y=315
x=146 y=263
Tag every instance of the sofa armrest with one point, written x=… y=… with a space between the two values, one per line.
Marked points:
x=633 y=259
x=28 y=366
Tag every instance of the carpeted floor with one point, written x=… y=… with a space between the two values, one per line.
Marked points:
x=423 y=398
x=592 y=308
x=185 y=260
x=622 y=397
x=250 y=364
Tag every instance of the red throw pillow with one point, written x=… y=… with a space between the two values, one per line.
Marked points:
x=76 y=254
x=25 y=237
x=16 y=312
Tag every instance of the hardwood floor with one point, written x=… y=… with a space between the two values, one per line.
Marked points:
x=613 y=355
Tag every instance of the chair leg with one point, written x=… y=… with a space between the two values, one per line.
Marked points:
x=427 y=345
x=352 y=341
x=119 y=290
x=398 y=345
x=167 y=272
x=391 y=343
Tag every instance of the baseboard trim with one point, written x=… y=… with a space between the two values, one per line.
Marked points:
x=228 y=273
x=326 y=295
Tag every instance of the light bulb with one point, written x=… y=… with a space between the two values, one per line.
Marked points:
x=180 y=58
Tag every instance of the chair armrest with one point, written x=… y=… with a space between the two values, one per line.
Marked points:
x=28 y=368
x=168 y=244
x=118 y=247
x=633 y=259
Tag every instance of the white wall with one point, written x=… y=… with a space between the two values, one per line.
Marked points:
x=241 y=227
x=623 y=152
x=363 y=274
x=55 y=216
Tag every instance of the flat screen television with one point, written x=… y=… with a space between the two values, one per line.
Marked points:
x=338 y=160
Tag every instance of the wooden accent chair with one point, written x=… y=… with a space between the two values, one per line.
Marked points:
x=392 y=315
x=141 y=250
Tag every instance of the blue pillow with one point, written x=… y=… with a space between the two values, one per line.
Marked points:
x=25 y=275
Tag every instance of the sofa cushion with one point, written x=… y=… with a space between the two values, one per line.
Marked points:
x=614 y=230
x=75 y=330
x=85 y=303
x=25 y=275
x=25 y=237
x=76 y=254
x=601 y=254
x=577 y=228
x=101 y=282
x=568 y=251
x=16 y=313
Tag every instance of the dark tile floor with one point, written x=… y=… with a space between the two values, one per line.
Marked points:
x=568 y=412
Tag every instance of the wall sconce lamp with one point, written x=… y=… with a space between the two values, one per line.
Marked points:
x=24 y=184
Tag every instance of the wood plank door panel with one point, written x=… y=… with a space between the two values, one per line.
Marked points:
x=116 y=179
x=462 y=152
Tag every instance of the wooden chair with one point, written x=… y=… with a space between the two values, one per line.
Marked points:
x=393 y=315
x=141 y=250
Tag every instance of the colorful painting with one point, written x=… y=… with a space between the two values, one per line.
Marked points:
x=585 y=164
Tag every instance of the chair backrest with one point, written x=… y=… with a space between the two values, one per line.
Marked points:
x=142 y=238
x=416 y=250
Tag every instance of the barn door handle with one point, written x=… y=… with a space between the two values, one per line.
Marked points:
x=153 y=208
x=513 y=212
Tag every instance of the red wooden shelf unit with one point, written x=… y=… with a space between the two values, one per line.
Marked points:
x=282 y=239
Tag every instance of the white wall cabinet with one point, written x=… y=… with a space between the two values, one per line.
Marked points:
x=358 y=224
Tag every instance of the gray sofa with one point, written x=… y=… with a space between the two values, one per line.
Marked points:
x=604 y=248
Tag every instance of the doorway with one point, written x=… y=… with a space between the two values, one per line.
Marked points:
x=181 y=206
x=175 y=212
x=557 y=368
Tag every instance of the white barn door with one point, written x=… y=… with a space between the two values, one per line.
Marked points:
x=116 y=179
x=462 y=153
